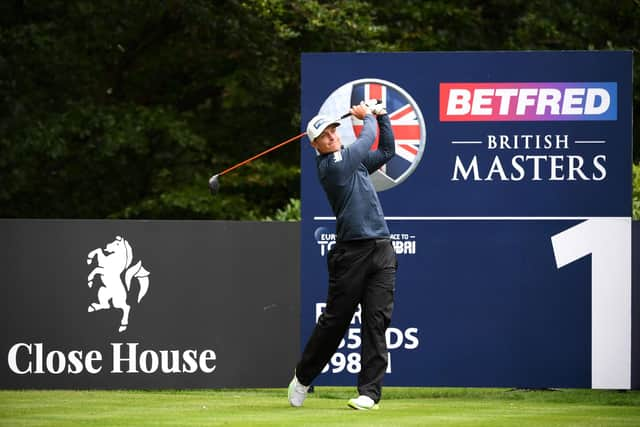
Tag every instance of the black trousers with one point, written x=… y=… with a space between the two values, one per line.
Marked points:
x=360 y=272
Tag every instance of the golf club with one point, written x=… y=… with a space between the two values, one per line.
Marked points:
x=214 y=183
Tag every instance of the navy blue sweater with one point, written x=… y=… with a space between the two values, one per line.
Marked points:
x=344 y=175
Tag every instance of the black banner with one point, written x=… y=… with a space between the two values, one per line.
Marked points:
x=149 y=304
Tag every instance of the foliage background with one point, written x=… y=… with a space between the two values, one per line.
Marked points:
x=636 y=192
x=124 y=108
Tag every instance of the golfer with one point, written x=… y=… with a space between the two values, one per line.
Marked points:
x=362 y=263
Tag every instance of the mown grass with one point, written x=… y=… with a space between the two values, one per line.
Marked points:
x=401 y=406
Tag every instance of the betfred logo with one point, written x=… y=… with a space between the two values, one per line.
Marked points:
x=492 y=102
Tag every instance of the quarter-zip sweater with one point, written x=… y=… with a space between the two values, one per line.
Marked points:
x=344 y=175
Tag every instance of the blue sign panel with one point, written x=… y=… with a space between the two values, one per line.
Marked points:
x=509 y=204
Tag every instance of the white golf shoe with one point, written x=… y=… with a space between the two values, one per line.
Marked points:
x=363 y=403
x=297 y=392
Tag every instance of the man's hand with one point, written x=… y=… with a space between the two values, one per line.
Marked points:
x=360 y=111
x=376 y=107
x=379 y=110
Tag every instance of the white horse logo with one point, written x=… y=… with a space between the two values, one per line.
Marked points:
x=113 y=260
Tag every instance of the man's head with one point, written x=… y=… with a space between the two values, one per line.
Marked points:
x=322 y=133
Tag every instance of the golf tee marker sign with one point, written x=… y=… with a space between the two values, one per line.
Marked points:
x=509 y=204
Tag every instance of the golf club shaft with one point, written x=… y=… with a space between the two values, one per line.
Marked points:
x=275 y=147
x=262 y=153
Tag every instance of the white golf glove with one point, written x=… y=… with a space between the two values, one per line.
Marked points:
x=375 y=107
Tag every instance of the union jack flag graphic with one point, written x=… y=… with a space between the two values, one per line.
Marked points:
x=407 y=128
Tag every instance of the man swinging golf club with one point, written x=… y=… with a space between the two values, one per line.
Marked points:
x=362 y=263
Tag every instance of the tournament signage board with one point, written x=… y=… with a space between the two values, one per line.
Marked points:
x=148 y=304
x=509 y=204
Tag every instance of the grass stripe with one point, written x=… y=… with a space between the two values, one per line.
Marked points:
x=401 y=406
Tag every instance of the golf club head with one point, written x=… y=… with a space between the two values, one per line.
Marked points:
x=214 y=185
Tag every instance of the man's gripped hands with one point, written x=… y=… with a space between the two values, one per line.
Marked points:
x=366 y=107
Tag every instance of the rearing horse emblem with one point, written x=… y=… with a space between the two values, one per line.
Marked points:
x=114 y=265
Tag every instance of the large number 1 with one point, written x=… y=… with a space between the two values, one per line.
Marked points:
x=608 y=241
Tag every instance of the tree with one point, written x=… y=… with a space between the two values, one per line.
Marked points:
x=636 y=192
x=123 y=108
x=518 y=25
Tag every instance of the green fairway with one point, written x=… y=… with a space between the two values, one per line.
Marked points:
x=326 y=407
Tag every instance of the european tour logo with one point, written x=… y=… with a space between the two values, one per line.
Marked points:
x=517 y=155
